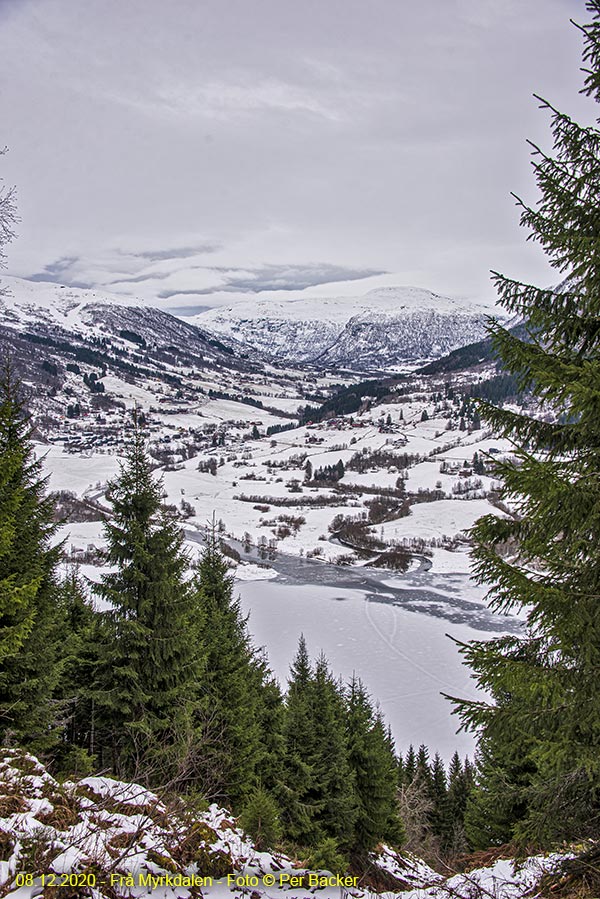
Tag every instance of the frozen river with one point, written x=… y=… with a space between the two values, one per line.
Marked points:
x=392 y=630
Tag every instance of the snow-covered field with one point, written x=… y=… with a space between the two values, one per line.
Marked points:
x=84 y=475
x=267 y=469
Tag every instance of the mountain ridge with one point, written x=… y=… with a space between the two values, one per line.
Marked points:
x=382 y=330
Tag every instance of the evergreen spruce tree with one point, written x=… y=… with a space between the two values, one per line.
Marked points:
x=400 y=774
x=460 y=788
x=260 y=818
x=393 y=830
x=542 y=727
x=457 y=796
x=270 y=718
x=334 y=790
x=298 y=802
x=423 y=770
x=240 y=703
x=74 y=755
x=30 y=610
x=409 y=765
x=440 y=815
x=148 y=673
x=373 y=762
x=17 y=612
x=260 y=812
x=499 y=798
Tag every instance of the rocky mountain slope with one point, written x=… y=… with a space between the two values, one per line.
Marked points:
x=119 y=331
x=379 y=331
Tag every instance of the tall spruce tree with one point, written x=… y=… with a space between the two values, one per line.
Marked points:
x=393 y=831
x=440 y=816
x=74 y=755
x=409 y=766
x=146 y=685
x=542 y=727
x=334 y=789
x=299 y=805
x=30 y=610
x=460 y=788
x=372 y=759
x=240 y=702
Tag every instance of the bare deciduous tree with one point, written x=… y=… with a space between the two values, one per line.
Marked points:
x=8 y=217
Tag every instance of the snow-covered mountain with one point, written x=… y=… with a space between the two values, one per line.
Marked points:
x=87 y=354
x=86 y=357
x=99 y=316
x=46 y=328
x=378 y=331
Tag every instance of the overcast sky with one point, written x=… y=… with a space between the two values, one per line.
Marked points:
x=196 y=151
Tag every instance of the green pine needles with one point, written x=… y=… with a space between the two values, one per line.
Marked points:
x=539 y=772
x=30 y=608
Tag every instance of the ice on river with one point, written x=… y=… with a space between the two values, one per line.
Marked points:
x=405 y=659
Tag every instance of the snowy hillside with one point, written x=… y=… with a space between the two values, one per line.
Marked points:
x=88 y=356
x=109 y=839
x=28 y=301
x=95 y=315
x=378 y=331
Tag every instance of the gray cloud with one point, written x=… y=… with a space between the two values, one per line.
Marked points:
x=277 y=277
x=61 y=265
x=177 y=252
x=57 y=271
x=141 y=279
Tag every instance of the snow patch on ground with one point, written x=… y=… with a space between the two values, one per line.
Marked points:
x=124 y=832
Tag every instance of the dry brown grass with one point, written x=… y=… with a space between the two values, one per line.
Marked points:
x=121 y=841
x=12 y=804
x=484 y=858
x=577 y=878
x=64 y=814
